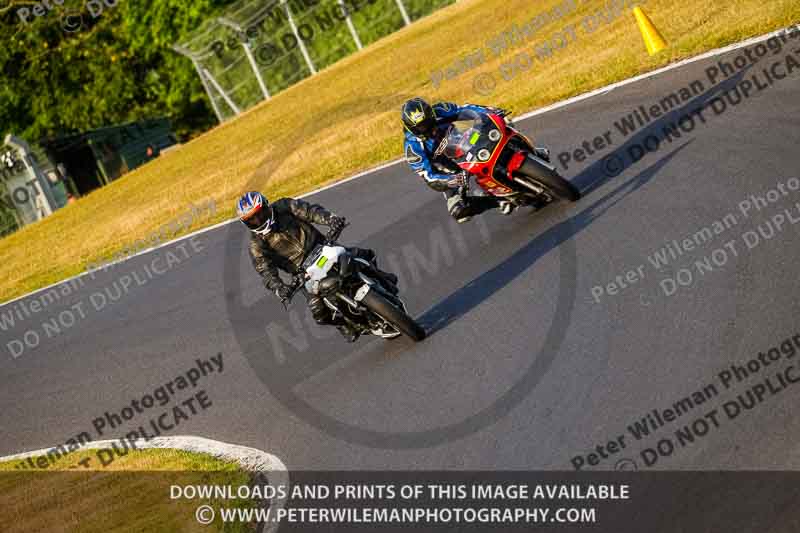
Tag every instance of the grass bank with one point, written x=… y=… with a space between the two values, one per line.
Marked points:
x=132 y=493
x=346 y=118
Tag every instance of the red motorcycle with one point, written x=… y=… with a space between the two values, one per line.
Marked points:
x=502 y=160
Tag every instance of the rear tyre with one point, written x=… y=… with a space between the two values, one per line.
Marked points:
x=379 y=305
x=546 y=174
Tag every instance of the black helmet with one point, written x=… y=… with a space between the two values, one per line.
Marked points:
x=418 y=117
x=255 y=212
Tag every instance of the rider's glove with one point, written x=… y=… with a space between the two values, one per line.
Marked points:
x=337 y=225
x=458 y=181
x=283 y=292
x=502 y=112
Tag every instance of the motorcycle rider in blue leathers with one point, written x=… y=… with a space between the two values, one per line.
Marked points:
x=424 y=127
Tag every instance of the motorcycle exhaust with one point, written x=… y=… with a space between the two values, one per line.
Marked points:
x=348 y=301
x=528 y=185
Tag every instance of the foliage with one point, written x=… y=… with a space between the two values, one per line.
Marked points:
x=114 y=67
x=346 y=118
x=115 y=63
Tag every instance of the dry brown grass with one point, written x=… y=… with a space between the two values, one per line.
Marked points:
x=346 y=119
x=130 y=494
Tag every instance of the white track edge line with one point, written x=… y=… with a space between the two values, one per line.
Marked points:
x=646 y=75
x=541 y=111
x=250 y=459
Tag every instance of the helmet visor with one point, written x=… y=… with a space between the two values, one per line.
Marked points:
x=258 y=218
x=423 y=128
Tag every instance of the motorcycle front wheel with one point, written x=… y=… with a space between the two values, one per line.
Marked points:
x=379 y=305
x=547 y=176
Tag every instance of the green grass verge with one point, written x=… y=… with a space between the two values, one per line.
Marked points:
x=346 y=118
x=132 y=493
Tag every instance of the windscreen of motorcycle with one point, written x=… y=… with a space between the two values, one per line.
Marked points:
x=470 y=141
x=322 y=263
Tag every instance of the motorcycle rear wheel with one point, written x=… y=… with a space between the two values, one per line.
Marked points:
x=379 y=305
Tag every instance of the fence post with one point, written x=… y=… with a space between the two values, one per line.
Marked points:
x=254 y=65
x=403 y=12
x=350 y=25
x=300 y=41
x=242 y=34
x=217 y=86
x=204 y=81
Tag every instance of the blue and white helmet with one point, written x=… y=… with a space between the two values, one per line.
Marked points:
x=255 y=212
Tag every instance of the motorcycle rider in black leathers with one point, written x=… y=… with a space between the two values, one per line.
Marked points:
x=282 y=236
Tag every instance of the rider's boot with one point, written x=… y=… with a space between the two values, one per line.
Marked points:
x=542 y=153
x=389 y=280
x=539 y=203
x=506 y=207
x=458 y=208
x=388 y=276
x=350 y=335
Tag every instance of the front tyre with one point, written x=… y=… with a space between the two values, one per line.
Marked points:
x=546 y=174
x=379 y=305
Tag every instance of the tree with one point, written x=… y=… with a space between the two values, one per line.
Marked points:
x=86 y=65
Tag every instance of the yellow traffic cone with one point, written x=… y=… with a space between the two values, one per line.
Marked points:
x=652 y=37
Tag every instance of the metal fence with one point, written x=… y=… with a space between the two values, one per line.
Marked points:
x=256 y=48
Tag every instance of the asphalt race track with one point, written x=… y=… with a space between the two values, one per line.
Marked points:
x=524 y=368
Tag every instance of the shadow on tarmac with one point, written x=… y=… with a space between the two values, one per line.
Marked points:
x=590 y=179
x=479 y=289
